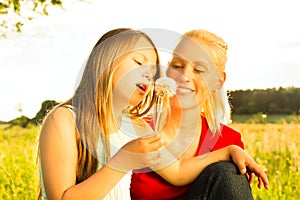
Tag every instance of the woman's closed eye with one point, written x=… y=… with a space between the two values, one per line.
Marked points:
x=199 y=70
x=176 y=65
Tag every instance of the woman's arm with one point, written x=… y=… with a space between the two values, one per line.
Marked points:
x=184 y=171
x=58 y=154
x=181 y=171
x=248 y=166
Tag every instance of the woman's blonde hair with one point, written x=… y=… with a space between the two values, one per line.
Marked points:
x=92 y=100
x=217 y=108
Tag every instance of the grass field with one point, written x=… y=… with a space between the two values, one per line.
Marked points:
x=275 y=147
x=263 y=118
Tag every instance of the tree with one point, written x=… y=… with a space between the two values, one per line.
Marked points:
x=14 y=13
x=270 y=101
x=22 y=121
x=45 y=108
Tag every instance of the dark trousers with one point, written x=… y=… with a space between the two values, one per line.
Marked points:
x=222 y=181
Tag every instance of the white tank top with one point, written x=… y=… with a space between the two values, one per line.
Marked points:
x=117 y=140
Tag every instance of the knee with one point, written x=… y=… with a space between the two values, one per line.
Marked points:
x=223 y=168
x=223 y=181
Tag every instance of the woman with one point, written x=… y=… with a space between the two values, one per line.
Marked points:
x=195 y=134
x=80 y=138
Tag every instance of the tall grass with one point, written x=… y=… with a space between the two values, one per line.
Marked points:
x=18 y=172
x=275 y=147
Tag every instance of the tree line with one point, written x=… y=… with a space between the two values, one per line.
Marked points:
x=269 y=101
x=285 y=101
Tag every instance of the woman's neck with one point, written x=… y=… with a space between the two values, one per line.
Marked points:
x=185 y=119
x=183 y=131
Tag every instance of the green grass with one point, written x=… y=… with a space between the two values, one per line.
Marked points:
x=260 y=118
x=275 y=147
x=18 y=174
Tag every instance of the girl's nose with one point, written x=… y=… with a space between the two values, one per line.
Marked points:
x=147 y=75
x=149 y=72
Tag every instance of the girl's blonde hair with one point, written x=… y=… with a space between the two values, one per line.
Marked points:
x=92 y=100
x=217 y=108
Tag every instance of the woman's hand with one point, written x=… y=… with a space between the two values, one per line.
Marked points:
x=248 y=166
x=138 y=153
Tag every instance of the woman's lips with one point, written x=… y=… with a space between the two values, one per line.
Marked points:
x=184 y=90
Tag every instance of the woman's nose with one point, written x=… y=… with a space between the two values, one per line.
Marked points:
x=185 y=75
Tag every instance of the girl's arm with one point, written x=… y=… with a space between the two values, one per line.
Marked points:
x=184 y=171
x=58 y=154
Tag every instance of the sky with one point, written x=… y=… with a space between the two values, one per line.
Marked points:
x=44 y=61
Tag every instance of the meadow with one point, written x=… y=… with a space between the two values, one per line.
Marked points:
x=275 y=147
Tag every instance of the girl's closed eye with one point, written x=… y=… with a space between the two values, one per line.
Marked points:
x=139 y=59
x=138 y=62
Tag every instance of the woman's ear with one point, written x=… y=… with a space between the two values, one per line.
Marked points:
x=221 y=81
x=223 y=78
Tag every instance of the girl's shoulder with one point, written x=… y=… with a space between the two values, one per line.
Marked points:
x=59 y=121
x=61 y=114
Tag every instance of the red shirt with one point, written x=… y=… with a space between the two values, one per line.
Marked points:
x=151 y=186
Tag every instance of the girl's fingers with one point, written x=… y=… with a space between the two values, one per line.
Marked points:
x=154 y=142
x=151 y=138
x=155 y=162
x=157 y=145
x=151 y=159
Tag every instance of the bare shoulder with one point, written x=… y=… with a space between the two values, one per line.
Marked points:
x=59 y=123
x=58 y=150
x=62 y=114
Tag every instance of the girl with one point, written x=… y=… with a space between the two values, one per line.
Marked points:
x=79 y=137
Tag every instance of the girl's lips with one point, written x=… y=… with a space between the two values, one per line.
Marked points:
x=142 y=87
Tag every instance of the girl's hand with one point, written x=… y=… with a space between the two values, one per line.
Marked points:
x=138 y=153
x=248 y=166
